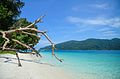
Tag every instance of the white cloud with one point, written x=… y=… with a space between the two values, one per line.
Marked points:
x=108 y=32
x=102 y=6
x=103 y=26
x=104 y=29
x=80 y=30
x=76 y=8
x=100 y=21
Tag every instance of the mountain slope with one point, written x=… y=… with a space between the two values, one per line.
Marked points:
x=89 y=44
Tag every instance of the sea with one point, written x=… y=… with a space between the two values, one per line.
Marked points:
x=86 y=64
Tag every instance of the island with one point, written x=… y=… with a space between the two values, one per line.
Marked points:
x=88 y=44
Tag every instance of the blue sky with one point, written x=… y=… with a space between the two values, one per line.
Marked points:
x=75 y=19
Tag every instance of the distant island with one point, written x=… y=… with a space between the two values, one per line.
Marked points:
x=88 y=44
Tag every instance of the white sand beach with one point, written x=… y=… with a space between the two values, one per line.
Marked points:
x=30 y=68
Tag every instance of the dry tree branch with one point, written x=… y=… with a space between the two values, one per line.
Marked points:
x=8 y=49
x=53 y=46
x=6 y=42
x=22 y=30
x=37 y=54
x=30 y=34
x=36 y=21
x=21 y=43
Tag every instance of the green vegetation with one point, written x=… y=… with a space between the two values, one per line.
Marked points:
x=7 y=52
x=18 y=34
x=24 y=38
x=89 y=44
x=9 y=13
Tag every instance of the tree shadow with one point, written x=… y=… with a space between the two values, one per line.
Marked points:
x=9 y=60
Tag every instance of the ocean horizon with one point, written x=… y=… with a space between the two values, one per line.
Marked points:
x=86 y=64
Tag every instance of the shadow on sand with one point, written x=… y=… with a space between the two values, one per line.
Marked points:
x=9 y=60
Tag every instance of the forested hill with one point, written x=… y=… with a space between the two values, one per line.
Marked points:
x=89 y=44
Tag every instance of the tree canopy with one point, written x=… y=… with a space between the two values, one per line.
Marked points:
x=19 y=34
x=9 y=11
x=25 y=38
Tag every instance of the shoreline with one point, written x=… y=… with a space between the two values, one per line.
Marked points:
x=31 y=68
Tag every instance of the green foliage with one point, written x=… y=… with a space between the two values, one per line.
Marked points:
x=7 y=52
x=9 y=11
x=1 y=41
x=89 y=44
x=24 y=38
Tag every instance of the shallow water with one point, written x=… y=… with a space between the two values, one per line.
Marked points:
x=87 y=64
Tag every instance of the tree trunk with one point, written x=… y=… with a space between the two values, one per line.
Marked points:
x=19 y=63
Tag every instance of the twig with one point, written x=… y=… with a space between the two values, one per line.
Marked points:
x=23 y=30
x=53 y=47
x=38 y=20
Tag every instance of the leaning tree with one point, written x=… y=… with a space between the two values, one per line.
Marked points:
x=9 y=40
x=18 y=34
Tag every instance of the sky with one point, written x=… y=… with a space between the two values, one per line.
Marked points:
x=74 y=19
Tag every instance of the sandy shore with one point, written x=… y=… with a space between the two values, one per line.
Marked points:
x=30 y=69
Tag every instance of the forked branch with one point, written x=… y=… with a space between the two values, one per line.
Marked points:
x=25 y=30
x=53 y=46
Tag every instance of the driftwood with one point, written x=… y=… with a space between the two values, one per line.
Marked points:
x=23 y=30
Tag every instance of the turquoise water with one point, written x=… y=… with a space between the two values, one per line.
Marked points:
x=87 y=64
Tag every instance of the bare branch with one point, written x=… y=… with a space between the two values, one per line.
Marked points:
x=23 y=30
x=38 y=20
x=44 y=33
x=30 y=34
x=6 y=42
x=21 y=43
x=37 y=53
x=53 y=47
x=9 y=49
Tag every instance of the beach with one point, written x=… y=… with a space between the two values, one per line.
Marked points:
x=31 y=68
x=89 y=64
